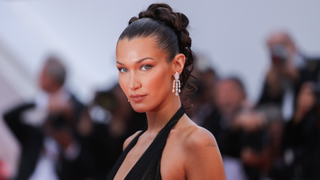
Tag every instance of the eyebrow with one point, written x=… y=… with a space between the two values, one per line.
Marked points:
x=138 y=61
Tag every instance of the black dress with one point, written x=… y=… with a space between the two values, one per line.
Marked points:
x=148 y=165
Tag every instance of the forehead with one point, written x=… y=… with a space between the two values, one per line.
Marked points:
x=137 y=48
x=278 y=38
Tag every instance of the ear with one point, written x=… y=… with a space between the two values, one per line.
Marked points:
x=178 y=63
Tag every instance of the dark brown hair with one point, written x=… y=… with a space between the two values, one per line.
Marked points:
x=169 y=28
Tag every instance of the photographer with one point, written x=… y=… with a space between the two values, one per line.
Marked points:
x=239 y=130
x=26 y=120
x=289 y=69
x=302 y=134
x=74 y=161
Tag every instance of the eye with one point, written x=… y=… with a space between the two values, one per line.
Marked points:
x=123 y=70
x=146 y=67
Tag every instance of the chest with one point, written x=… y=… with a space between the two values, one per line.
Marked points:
x=171 y=161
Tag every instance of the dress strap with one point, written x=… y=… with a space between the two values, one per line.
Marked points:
x=148 y=166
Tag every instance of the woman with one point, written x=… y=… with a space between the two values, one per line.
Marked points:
x=154 y=59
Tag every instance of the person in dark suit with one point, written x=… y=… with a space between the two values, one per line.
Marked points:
x=75 y=160
x=29 y=137
x=27 y=127
x=238 y=129
x=300 y=144
x=286 y=87
x=289 y=69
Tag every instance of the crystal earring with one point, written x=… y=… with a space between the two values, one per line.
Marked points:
x=176 y=83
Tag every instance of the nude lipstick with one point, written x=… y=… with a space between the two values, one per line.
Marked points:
x=137 y=97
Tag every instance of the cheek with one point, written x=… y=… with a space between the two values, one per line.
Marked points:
x=158 y=82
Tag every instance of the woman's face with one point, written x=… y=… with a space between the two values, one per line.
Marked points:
x=145 y=75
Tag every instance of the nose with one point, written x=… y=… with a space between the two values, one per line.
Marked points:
x=134 y=83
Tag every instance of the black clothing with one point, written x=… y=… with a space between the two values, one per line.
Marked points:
x=148 y=165
x=303 y=140
x=30 y=138
x=299 y=140
x=80 y=168
x=136 y=122
x=309 y=72
x=98 y=146
x=214 y=123
x=301 y=147
x=232 y=142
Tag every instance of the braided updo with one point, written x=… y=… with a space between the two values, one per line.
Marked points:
x=169 y=28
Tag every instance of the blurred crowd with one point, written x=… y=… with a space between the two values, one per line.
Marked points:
x=63 y=139
x=278 y=137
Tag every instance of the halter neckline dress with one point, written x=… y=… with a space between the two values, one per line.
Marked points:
x=148 y=165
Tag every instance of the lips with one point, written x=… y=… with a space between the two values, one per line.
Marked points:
x=137 y=97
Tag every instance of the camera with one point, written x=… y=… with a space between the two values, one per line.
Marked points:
x=279 y=54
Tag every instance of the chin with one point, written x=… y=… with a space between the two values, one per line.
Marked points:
x=141 y=107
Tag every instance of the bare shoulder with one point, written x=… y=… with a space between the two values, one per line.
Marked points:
x=199 y=137
x=202 y=156
x=195 y=137
x=129 y=139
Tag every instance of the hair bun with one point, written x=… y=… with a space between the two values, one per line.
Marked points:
x=164 y=13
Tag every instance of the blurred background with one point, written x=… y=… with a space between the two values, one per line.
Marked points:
x=257 y=66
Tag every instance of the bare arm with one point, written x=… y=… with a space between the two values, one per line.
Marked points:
x=203 y=158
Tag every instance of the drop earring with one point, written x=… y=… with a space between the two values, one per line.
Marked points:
x=176 y=84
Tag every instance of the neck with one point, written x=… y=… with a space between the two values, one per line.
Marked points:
x=160 y=116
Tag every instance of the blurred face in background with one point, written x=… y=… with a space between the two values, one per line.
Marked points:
x=229 y=97
x=145 y=75
x=282 y=39
x=48 y=83
x=282 y=49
